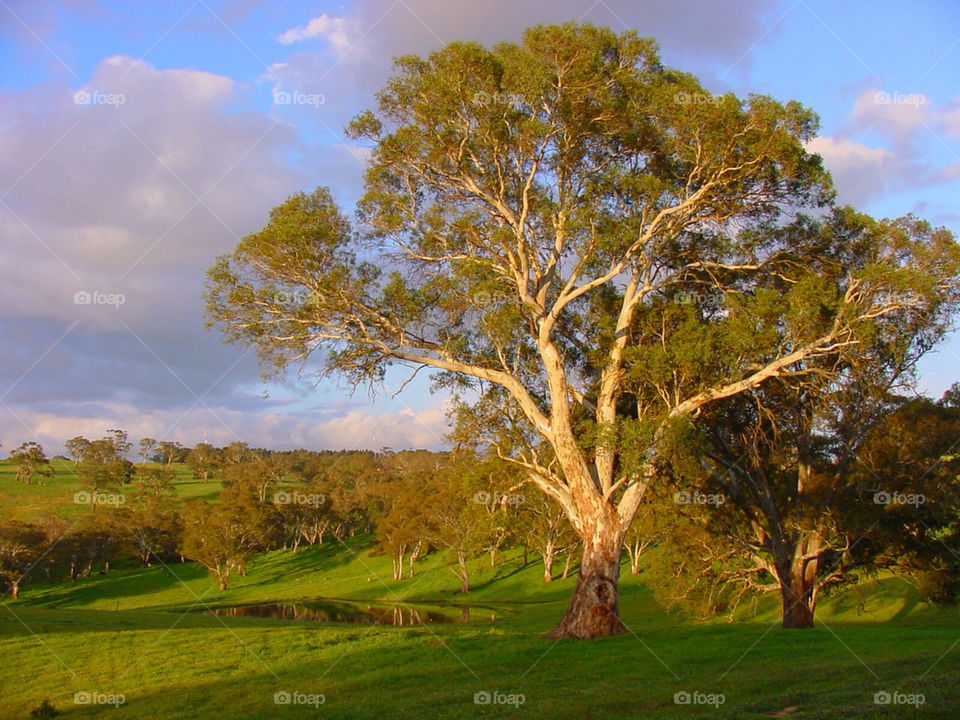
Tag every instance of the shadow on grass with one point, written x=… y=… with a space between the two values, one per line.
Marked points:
x=116 y=585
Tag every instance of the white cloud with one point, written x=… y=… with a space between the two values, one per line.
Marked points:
x=353 y=430
x=860 y=173
x=907 y=135
x=897 y=115
x=330 y=27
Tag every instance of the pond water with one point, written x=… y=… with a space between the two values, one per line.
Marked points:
x=340 y=611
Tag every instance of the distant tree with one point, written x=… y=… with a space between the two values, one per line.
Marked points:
x=152 y=517
x=170 y=452
x=120 y=442
x=548 y=530
x=253 y=525
x=104 y=469
x=55 y=554
x=204 y=460
x=257 y=473
x=95 y=540
x=223 y=537
x=453 y=518
x=306 y=521
x=20 y=547
x=399 y=527
x=146 y=448
x=951 y=398
x=30 y=460
x=208 y=540
x=76 y=447
x=236 y=453
x=649 y=527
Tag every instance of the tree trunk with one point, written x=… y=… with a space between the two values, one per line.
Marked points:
x=548 y=563
x=635 y=550
x=464 y=575
x=797 y=598
x=14 y=591
x=566 y=566
x=414 y=555
x=398 y=563
x=594 y=607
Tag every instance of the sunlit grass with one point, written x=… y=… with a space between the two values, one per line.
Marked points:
x=127 y=632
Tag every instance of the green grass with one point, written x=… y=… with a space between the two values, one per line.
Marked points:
x=128 y=632
x=145 y=633
x=54 y=495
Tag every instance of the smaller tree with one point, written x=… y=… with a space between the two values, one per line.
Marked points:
x=204 y=460
x=236 y=452
x=146 y=448
x=152 y=517
x=452 y=519
x=400 y=527
x=257 y=473
x=547 y=530
x=76 y=447
x=208 y=540
x=120 y=441
x=30 y=460
x=20 y=547
x=104 y=469
x=170 y=452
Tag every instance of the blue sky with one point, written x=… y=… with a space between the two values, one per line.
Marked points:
x=140 y=140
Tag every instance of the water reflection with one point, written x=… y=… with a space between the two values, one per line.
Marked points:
x=343 y=612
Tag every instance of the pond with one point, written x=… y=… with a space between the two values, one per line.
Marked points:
x=342 y=611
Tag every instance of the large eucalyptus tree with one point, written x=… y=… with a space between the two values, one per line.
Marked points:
x=530 y=213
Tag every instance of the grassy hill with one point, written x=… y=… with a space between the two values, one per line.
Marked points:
x=54 y=495
x=150 y=636
x=146 y=634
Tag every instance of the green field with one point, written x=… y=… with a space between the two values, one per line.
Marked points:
x=129 y=633
x=146 y=634
x=54 y=495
